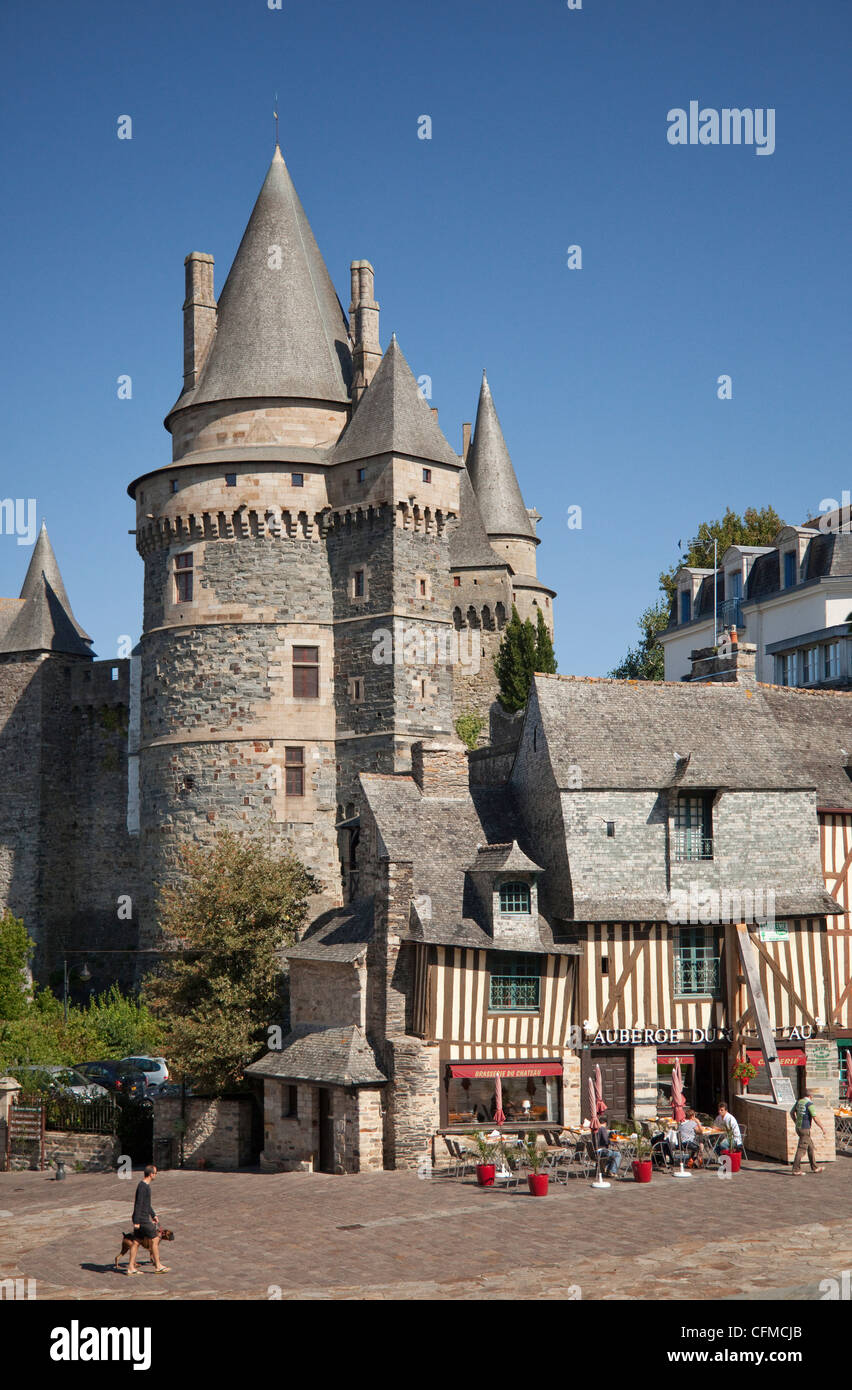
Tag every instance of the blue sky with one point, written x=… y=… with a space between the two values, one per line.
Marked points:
x=549 y=129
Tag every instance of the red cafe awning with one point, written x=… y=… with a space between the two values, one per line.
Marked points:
x=787 y=1056
x=685 y=1059
x=487 y=1069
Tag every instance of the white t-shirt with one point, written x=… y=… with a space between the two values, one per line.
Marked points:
x=728 y=1122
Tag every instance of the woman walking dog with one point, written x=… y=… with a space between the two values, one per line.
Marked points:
x=145 y=1224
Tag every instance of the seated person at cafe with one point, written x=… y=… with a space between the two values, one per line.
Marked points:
x=608 y=1153
x=725 y=1120
x=689 y=1133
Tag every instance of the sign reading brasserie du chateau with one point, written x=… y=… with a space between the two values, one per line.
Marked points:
x=652 y=1037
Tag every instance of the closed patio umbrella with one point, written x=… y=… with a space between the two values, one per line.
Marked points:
x=600 y=1103
x=678 y=1097
x=593 y=1106
x=499 y=1116
x=849 y=1074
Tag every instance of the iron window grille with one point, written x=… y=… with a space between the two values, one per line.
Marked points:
x=696 y=962
x=693 y=834
x=515 y=984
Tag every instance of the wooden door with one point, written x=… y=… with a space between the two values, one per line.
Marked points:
x=326 y=1132
x=617 y=1083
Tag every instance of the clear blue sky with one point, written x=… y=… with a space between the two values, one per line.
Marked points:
x=549 y=129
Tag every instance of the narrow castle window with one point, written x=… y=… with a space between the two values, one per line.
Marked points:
x=362 y=475
x=423 y=588
x=356 y=689
x=427 y=475
x=297 y=479
x=306 y=673
x=457 y=581
x=174 y=484
x=230 y=480
x=183 y=577
x=294 y=770
x=359 y=587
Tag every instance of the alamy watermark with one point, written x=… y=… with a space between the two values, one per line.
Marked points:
x=420 y=646
x=729 y=126
x=701 y=904
x=18 y=518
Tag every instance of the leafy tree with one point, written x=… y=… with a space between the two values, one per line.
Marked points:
x=644 y=662
x=545 y=657
x=16 y=952
x=111 y=1025
x=469 y=726
x=514 y=663
x=237 y=906
x=754 y=527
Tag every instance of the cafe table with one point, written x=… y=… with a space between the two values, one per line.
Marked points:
x=843 y=1130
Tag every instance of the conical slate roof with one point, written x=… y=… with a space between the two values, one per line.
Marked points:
x=470 y=547
x=280 y=331
x=493 y=477
x=43 y=566
x=43 y=624
x=393 y=418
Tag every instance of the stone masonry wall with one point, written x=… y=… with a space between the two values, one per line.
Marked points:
x=218 y=1130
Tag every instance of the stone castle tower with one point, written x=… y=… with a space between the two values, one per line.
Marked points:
x=317 y=560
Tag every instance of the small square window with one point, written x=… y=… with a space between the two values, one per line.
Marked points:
x=230 y=480
x=297 y=479
x=362 y=475
x=427 y=475
x=183 y=577
x=306 y=673
x=457 y=581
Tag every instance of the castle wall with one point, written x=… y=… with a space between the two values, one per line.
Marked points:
x=20 y=801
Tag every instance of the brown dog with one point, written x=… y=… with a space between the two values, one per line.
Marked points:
x=129 y=1237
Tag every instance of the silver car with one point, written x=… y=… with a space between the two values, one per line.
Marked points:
x=60 y=1080
x=155 y=1069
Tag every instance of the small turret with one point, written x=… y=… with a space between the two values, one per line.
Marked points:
x=364 y=327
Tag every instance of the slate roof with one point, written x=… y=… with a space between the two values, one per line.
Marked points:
x=494 y=859
x=41 y=620
x=393 y=418
x=279 y=332
x=816 y=726
x=339 y=935
x=43 y=562
x=626 y=735
x=470 y=547
x=322 y=1052
x=493 y=476
x=629 y=908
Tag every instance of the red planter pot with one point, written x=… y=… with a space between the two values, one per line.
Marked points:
x=538 y=1183
x=642 y=1169
x=485 y=1174
x=735 y=1158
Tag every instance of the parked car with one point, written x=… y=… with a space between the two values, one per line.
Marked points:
x=155 y=1069
x=59 y=1080
x=124 y=1082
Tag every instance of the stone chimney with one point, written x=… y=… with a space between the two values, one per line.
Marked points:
x=732 y=660
x=465 y=439
x=364 y=327
x=439 y=767
x=199 y=315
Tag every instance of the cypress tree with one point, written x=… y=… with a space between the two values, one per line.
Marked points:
x=515 y=662
x=545 y=657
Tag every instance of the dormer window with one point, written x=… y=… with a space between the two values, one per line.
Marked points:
x=515 y=899
x=789 y=569
x=685 y=606
x=735 y=584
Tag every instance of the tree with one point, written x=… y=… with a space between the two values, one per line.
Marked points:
x=16 y=952
x=644 y=662
x=237 y=906
x=545 y=657
x=469 y=726
x=514 y=663
x=756 y=526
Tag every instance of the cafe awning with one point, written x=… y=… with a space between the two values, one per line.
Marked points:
x=488 y=1069
x=787 y=1056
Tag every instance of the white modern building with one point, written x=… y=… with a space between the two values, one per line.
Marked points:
x=791 y=600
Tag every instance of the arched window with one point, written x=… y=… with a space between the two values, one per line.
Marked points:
x=515 y=898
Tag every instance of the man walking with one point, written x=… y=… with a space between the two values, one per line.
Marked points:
x=804 y=1117
x=145 y=1224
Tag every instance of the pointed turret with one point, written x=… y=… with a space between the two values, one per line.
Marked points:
x=42 y=571
x=493 y=477
x=280 y=327
x=393 y=418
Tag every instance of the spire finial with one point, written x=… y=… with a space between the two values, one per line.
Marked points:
x=275 y=118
